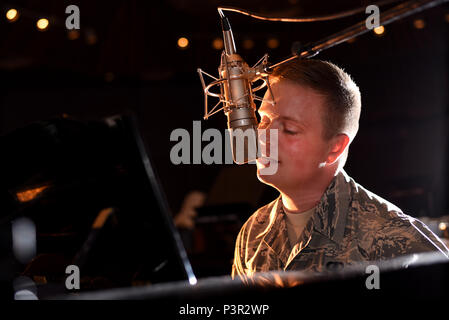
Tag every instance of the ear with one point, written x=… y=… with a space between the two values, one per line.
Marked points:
x=337 y=145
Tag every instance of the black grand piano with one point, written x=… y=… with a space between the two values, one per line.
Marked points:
x=89 y=195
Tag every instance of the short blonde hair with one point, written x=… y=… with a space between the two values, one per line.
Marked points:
x=342 y=96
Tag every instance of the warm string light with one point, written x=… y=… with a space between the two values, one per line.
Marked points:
x=248 y=44
x=419 y=24
x=12 y=15
x=217 y=44
x=73 y=34
x=379 y=30
x=91 y=37
x=42 y=24
x=183 y=43
x=272 y=43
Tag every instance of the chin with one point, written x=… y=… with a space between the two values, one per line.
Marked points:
x=268 y=172
x=267 y=179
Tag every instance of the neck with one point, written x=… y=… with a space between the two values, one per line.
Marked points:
x=303 y=198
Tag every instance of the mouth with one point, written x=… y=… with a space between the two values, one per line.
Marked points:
x=267 y=160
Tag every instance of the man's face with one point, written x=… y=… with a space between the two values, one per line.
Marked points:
x=297 y=115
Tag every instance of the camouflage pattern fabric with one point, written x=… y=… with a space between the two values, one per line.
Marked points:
x=350 y=224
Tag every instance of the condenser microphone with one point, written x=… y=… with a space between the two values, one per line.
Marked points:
x=239 y=103
x=235 y=79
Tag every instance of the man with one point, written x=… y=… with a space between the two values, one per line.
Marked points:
x=323 y=219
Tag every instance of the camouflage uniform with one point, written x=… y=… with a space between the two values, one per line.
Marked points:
x=350 y=224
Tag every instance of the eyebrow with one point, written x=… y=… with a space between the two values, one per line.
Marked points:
x=300 y=122
x=287 y=118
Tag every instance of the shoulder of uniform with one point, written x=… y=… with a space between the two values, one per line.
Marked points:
x=376 y=214
x=366 y=201
x=382 y=217
x=384 y=228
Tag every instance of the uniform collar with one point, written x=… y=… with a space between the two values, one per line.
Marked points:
x=329 y=219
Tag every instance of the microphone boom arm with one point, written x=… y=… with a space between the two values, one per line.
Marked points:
x=400 y=11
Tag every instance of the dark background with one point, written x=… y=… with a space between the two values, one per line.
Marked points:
x=126 y=58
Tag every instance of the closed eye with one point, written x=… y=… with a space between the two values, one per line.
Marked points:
x=290 y=132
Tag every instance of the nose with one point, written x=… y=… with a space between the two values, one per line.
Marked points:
x=261 y=133
x=265 y=137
